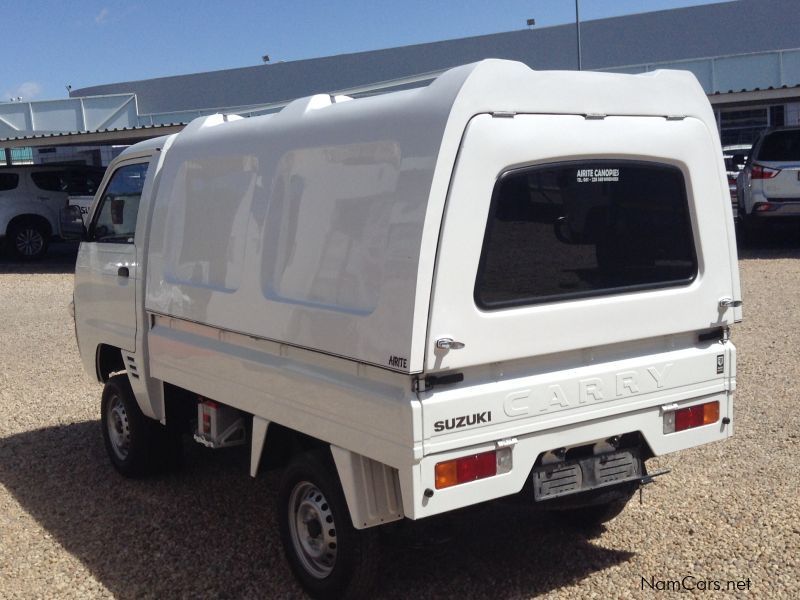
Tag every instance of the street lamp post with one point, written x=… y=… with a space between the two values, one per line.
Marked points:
x=578 y=31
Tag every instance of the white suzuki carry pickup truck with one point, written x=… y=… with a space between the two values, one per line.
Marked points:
x=506 y=282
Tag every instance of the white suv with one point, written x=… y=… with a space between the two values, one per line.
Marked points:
x=31 y=198
x=768 y=187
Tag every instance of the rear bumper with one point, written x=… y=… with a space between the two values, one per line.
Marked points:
x=779 y=208
x=780 y=211
x=526 y=449
x=688 y=380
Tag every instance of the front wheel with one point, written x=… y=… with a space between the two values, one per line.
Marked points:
x=137 y=445
x=329 y=557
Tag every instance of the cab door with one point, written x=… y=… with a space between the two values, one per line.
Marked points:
x=106 y=272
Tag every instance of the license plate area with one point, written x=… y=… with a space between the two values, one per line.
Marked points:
x=588 y=473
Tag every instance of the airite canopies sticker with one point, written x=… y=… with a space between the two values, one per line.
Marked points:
x=597 y=175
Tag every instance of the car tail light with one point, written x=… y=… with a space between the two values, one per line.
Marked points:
x=691 y=416
x=762 y=172
x=472 y=467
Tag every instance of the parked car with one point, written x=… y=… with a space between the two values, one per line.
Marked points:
x=31 y=199
x=768 y=188
x=735 y=157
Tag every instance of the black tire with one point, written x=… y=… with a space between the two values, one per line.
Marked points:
x=137 y=445
x=328 y=556
x=28 y=240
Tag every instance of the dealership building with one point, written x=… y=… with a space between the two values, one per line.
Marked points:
x=745 y=54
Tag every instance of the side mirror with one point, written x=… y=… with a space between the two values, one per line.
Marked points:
x=72 y=227
x=117 y=211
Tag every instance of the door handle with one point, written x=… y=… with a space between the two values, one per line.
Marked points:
x=729 y=303
x=123 y=272
x=449 y=344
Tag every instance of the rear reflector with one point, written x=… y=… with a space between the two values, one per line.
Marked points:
x=690 y=417
x=472 y=467
x=765 y=207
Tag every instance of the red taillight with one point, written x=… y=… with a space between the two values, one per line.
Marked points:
x=691 y=416
x=762 y=172
x=475 y=467
x=467 y=468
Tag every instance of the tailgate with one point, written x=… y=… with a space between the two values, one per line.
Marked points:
x=786 y=184
x=599 y=232
x=497 y=404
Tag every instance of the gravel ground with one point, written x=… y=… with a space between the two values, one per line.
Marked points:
x=71 y=528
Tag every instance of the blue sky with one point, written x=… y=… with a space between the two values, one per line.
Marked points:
x=48 y=44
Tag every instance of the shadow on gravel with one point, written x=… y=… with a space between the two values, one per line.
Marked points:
x=210 y=531
x=60 y=258
x=779 y=241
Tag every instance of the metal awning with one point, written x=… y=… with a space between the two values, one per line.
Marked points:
x=120 y=136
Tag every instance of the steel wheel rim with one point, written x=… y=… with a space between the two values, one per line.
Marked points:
x=29 y=241
x=119 y=430
x=312 y=529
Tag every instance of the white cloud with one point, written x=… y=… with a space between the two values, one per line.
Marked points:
x=102 y=16
x=27 y=91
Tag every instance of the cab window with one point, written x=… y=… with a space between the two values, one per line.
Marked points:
x=119 y=206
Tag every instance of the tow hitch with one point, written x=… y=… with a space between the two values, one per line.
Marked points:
x=648 y=479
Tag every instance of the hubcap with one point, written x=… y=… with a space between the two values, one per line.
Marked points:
x=119 y=431
x=312 y=529
x=29 y=241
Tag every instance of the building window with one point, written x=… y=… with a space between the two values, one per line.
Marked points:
x=742 y=126
x=776 y=116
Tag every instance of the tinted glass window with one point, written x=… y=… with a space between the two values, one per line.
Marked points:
x=780 y=145
x=119 y=208
x=583 y=229
x=77 y=182
x=81 y=182
x=8 y=181
x=50 y=181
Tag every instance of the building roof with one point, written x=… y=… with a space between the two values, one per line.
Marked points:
x=741 y=27
x=120 y=135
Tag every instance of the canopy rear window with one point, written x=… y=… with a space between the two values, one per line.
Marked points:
x=579 y=229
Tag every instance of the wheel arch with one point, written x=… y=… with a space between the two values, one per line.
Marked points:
x=108 y=361
x=371 y=489
x=30 y=218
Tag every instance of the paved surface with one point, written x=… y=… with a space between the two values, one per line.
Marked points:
x=71 y=528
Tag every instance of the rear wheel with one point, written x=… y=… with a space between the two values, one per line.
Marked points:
x=329 y=557
x=28 y=240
